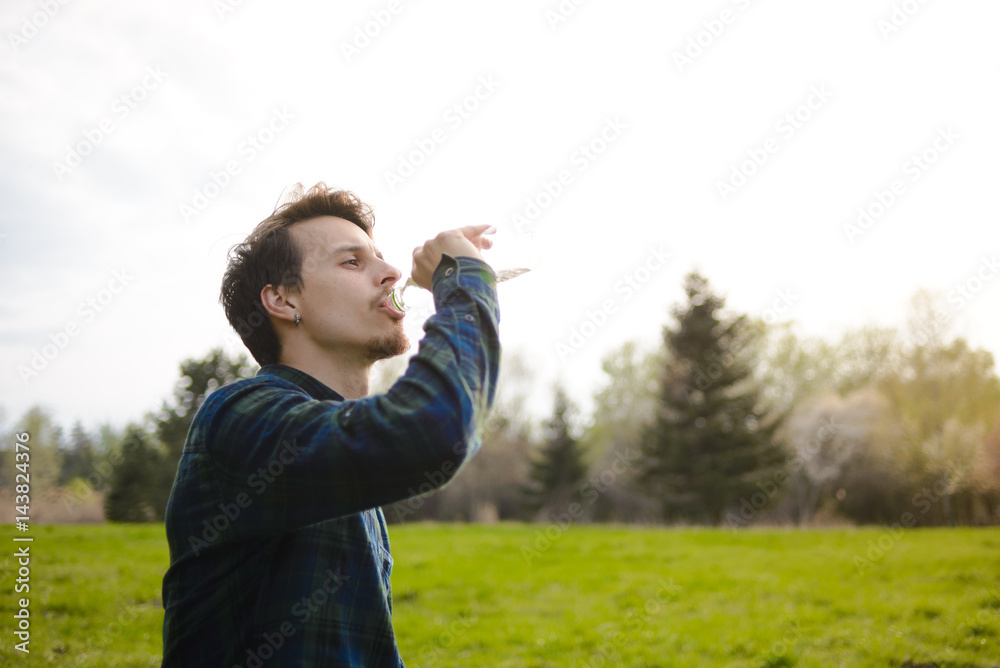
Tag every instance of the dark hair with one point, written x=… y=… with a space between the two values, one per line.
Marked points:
x=271 y=256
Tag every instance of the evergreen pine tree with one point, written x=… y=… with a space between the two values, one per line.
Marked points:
x=710 y=443
x=555 y=474
x=79 y=459
x=128 y=500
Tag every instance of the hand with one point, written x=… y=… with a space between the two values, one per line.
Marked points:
x=462 y=242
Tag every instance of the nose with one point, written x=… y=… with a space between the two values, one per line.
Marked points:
x=390 y=275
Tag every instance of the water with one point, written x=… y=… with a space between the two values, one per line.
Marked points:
x=503 y=275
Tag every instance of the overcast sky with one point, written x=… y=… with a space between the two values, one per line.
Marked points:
x=636 y=140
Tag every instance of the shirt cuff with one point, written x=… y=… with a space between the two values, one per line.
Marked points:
x=464 y=273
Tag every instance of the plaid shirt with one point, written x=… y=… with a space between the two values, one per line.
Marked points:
x=279 y=554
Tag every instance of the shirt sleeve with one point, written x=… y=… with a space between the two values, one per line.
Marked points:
x=297 y=460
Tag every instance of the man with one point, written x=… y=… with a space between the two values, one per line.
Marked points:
x=279 y=553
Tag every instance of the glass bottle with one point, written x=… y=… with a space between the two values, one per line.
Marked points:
x=515 y=251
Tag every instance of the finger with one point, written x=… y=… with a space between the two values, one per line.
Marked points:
x=482 y=242
x=472 y=231
x=477 y=235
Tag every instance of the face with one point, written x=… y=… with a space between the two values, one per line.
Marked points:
x=346 y=284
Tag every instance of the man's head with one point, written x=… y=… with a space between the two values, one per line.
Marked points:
x=313 y=257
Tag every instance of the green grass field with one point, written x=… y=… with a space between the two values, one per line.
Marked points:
x=508 y=595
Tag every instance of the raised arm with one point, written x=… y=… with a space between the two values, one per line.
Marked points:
x=293 y=460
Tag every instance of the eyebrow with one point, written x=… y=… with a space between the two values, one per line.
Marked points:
x=355 y=248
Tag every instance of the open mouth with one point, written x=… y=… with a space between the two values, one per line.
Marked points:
x=390 y=308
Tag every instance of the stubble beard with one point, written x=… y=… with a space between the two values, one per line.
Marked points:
x=387 y=345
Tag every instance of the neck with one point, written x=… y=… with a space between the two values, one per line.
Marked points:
x=347 y=374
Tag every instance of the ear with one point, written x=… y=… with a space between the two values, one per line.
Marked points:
x=279 y=302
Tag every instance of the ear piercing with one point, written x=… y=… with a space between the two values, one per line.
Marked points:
x=297 y=319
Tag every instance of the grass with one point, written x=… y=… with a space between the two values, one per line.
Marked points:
x=533 y=595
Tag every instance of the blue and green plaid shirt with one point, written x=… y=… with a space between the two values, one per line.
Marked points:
x=279 y=554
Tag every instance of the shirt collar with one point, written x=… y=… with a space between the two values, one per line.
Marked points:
x=313 y=387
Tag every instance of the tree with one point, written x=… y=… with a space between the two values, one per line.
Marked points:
x=45 y=443
x=790 y=369
x=825 y=437
x=129 y=499
x=989 y=469
x=199 y=378
x=555 y=474
x=626 y=403
x=711 y=440
x=489 y=486
x=79 y=458
x=988 y=477
x=865 y=357
x=945 y=397
x=623 y=408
